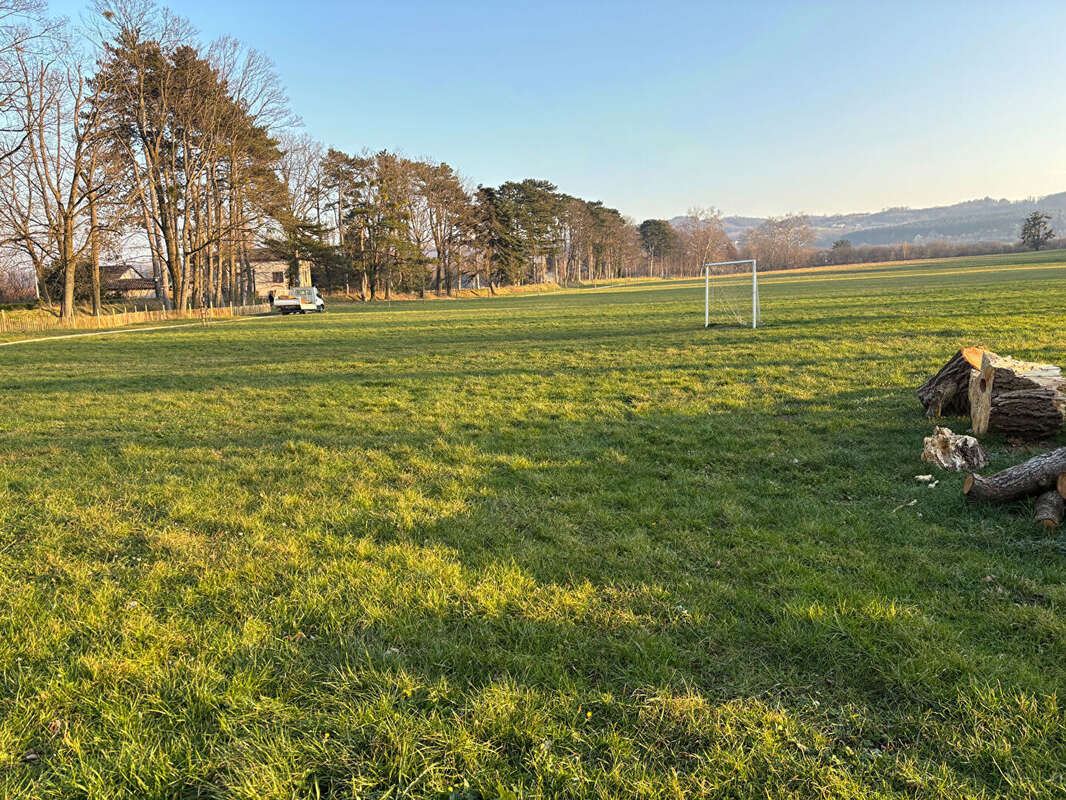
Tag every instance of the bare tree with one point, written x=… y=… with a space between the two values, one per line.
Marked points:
x=448 y=214
x=23 y=28
x=781 y=241
x=52 y=179
x=704 y=239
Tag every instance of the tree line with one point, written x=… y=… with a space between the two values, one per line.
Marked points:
x=129 y=139
x=787 y=242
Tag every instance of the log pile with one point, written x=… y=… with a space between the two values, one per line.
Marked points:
x=1042 y=477
x=999 y=393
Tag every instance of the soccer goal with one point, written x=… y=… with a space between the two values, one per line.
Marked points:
x=732 y=295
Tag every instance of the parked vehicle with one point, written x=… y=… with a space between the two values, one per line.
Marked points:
x=299 y=300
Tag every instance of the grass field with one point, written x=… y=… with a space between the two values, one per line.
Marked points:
x=568 y=545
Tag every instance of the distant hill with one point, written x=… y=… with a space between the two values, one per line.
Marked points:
x=985 y=220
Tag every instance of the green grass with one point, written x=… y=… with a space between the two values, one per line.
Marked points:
x=567 y=545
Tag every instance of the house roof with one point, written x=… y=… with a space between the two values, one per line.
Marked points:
x=263 y=254
x=124 y=277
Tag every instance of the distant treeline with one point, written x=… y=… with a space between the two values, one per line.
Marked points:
x=129 y=139
x=866 y=254
x=787 y=243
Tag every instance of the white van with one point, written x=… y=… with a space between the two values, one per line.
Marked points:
x=299 y=300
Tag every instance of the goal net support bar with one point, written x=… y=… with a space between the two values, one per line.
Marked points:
x=755 y=311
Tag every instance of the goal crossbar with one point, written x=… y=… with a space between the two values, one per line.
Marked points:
x=754 y=289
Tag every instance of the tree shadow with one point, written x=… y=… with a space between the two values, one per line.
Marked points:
x=751 y=554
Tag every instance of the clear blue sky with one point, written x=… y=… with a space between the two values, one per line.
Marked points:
x=756 y=108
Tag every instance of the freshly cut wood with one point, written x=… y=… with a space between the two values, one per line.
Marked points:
x=951 y=451
x=1032 y=477
x=980 y=393
x=1017 y=398
x=1062 y=485
x=948 y=392
x=1049 y=509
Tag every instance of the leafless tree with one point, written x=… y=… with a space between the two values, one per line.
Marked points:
x=781 y=241
x=24 y=29
x=704 y=240
x=53 y=179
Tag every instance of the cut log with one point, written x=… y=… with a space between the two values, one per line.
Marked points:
x=1027 y=413
x=1062 y=485
x=1032 y=477
x=950 y=451
x=1017 y=398
x=948 y=392
x=1049 y=510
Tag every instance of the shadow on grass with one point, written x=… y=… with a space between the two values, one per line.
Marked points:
x=746 y=557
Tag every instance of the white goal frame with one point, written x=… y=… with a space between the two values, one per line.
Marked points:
x=756 y=315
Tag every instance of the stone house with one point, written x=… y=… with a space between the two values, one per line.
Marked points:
x=271 y=273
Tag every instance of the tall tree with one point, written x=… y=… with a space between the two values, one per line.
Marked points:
x=704 y=240
x=53 y=178
x=193 y=130
x=449 y=215
x=497 y=236
x=1036 y=232
x=535 y=206
x=659 y=240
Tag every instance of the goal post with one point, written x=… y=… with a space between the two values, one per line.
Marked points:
x=729 y=292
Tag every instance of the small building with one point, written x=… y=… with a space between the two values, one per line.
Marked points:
x=127 y=281
x=271 y=274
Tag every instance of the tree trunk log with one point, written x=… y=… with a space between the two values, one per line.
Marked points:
x=1028 y=413
x=1049 y=510
x=1016 y=397
x=948 y=392
x=1024 y=480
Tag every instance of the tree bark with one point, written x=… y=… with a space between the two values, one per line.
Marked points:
x=948 y=392
x=1016 y=397
x=1049 y=510
x=94 y=254
x=980 y=395
x=1023 y=480
x=69 y=266
x=1027 y=413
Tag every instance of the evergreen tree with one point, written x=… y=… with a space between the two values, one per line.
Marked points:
x=1035 y=230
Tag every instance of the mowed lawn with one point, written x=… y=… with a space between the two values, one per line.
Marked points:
x=565 y=545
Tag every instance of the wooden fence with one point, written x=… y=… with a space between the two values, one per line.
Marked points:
x=114 y=318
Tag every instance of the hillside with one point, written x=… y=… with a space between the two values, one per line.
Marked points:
x=985 y=220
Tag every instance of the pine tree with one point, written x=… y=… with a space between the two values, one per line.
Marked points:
x=1035 y=230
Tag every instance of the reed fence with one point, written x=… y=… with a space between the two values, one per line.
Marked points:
x=113 y=318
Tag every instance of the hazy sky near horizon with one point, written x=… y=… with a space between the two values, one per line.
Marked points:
x=756 y=108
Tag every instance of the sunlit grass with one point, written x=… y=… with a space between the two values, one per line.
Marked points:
x=558 y=545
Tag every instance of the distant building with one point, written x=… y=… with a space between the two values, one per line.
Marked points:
x=271 y=273
x=125 y=280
